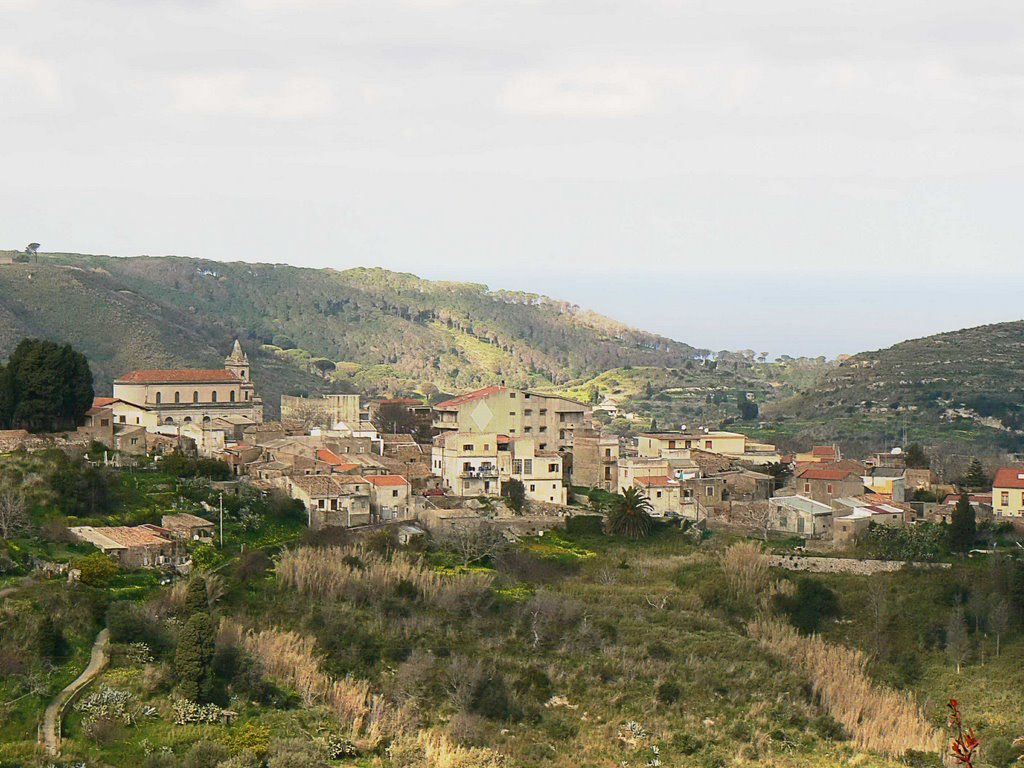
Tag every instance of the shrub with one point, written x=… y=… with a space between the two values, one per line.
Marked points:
x=205 y=754
x=668 y=692
x=490 y=698
x=812 y=603
x=131 y=623
x=97 y=569
x=584 y=525
x=248 y=737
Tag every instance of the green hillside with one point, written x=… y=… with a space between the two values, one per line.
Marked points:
x=964 y=386
x=314 y=328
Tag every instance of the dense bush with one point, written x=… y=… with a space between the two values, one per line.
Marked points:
x=180 y=465
x=812 y=604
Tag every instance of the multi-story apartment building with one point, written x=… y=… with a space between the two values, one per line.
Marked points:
x=478 y=464
x=549 y=420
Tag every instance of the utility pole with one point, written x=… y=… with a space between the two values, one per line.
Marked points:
x=222 y=519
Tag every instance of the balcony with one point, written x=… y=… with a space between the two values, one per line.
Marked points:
x=483 y=473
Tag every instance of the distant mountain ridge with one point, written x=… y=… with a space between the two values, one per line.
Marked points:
x=365 y=328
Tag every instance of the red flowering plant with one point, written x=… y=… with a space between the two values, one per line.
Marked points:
x=965 y=744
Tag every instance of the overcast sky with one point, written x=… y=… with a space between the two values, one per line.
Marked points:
x=794 y=176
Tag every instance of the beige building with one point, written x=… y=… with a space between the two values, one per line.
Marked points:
x=595 y=459
x=154 y=398
x=731 y=444
x=332 y=501
x=390 y=498
x=547 y=419
x=666 y=496
x=801 y=516
x=188 y=527
x=477 y=464
x=1008 y=492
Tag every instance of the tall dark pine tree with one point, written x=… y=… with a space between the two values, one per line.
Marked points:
x=963 y=527
x=976 y=477
x=45 y=387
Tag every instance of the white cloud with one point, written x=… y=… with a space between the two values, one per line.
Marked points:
x=23 y=76
x=244 y=94
x=585 y=92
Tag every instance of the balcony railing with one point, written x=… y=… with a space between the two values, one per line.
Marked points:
x=482 y=473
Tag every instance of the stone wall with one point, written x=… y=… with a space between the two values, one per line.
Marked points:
x=845 y=564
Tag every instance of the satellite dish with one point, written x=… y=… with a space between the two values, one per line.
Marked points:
x=896 y=451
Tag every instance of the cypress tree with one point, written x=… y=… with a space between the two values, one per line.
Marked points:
x=963 y=526
x=196 y=600
x=193 y=658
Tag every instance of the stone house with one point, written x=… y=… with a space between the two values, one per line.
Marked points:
x=188 y=527
x=332 y=500
x=140 y=546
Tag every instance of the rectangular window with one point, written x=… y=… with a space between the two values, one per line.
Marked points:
x=607 y=453
x=807 y=487
x=527 y=429
x=543 y=429
x=828 y=488
x=1005 y=498
x=709 y=490
x=552 y=467
x=658 y=494
x=528 y=466
x=543 y=446
x=512 y=395
x=533 y=487
x=394 y=494
x=517 y=466
x=467 y=447
x=543 y=411
x=707 y=444
x=528 y=412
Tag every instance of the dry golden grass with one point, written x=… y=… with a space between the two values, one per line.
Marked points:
x=428 y=749
x=878 y=718
x=342 y=571
x=745 y=568
x=287 y=656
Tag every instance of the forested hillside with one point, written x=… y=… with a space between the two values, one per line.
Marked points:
x=365 y=328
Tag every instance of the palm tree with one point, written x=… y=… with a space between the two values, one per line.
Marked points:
x=630 y=514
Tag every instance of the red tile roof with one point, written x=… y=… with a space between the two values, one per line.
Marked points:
x=400 y=401
x=386 y=480
x=103 y=402
x=823 y=450
x=471 y=396
x=198 y=375
x=1009 y=477
x=329 y=456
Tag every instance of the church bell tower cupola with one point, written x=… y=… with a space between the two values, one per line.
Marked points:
x=238 y=362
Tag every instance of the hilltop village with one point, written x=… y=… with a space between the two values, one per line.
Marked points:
x=499 y=456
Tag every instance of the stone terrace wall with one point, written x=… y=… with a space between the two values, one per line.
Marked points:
x=845 y=564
